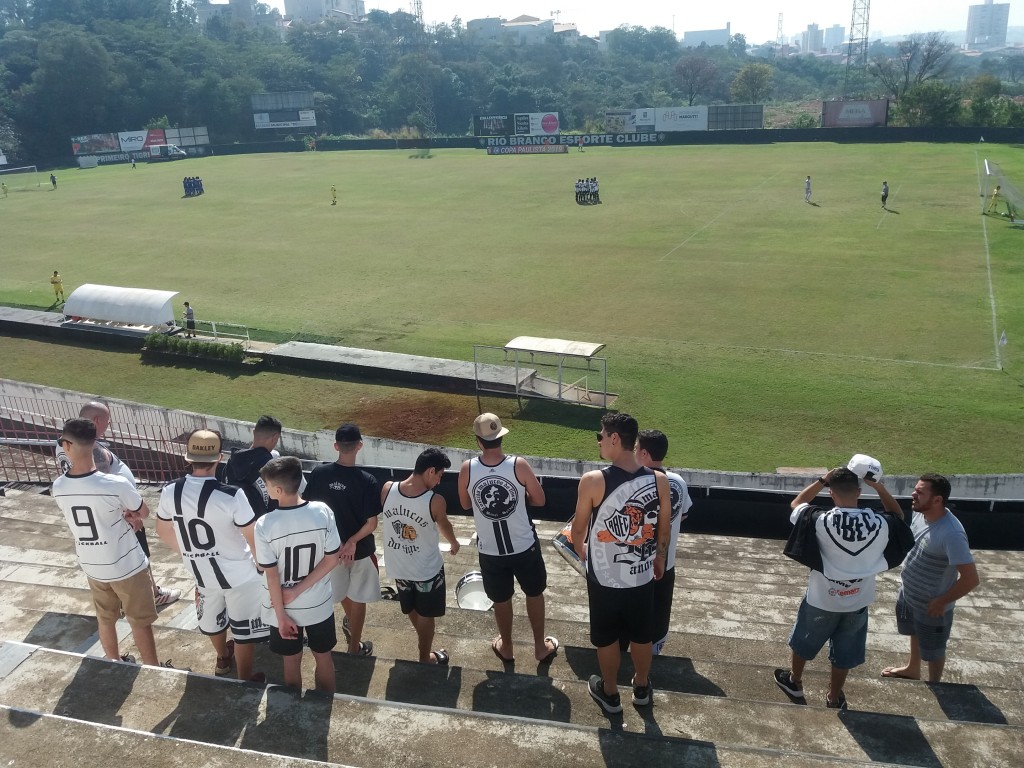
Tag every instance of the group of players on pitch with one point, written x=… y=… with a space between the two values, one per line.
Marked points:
x=272 y=553
x=587 y=191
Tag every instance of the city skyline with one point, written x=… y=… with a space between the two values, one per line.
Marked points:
x=756 y=20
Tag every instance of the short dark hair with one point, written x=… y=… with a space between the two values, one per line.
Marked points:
x=80 y=430
x=285 y=471
x=495 y=443
x=844 y=482
x=431 y=458
x=266 y=426
x=623 y=425
x=654 y=442
x=939 y=484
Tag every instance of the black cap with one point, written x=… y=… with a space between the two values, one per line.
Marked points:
x=347 y=433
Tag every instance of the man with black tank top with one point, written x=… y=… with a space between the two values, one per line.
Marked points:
x=624 y=554
x=497 y=489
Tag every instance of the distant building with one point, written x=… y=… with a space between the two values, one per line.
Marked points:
x=312 y=11
x=812 y=40
x=708 y=37
x=835 y=36
x=986 y=25
x=522 y=30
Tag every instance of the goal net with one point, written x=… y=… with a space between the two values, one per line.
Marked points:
x=1007 y=201
x=21 y=179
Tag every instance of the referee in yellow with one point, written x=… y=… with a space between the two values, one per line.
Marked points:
x=58 y=285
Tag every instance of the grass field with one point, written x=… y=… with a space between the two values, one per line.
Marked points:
x=755 y=330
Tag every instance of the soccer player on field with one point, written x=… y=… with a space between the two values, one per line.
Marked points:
x=413 y=516
x=885 y=192
x=807 y=189
x=297 y=546
x=334 y=195
x=211 y=526
x=100 y=510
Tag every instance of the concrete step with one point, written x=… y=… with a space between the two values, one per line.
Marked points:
x=353 y=730
x=33 y=738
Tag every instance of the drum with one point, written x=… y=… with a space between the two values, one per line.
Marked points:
x=563 y=545
x=469 y=592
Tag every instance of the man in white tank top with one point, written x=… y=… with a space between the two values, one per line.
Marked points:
x=497 y=489
x=412 y=517
x=625 y=555
x=651 y=447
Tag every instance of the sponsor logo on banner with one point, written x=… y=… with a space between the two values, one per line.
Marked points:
x=681 y=119
x=854 y=114
x=131 y=140
x=155 y=137
x=95 y=142
x=492 y=125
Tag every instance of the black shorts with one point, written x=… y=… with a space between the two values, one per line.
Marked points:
x=424 y=597
x=626 y=613
x=190 y=324
x=525 y=567
x=322 y=638
x=663 y=591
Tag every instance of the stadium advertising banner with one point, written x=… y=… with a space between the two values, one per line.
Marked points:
x=681 y=119
x=854 y=114
x=569 y=140
x=529 y=149
x=135 y=141
x=95 y=142
x=285 y=118
x=519 y=124
x=641 y=121
x=492 y=125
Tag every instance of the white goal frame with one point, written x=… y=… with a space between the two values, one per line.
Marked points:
x=26 y=175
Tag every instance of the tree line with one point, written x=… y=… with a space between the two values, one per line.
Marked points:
x=72 y=67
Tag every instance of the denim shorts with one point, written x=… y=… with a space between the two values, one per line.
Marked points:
x=846 y=634
x=932 y=634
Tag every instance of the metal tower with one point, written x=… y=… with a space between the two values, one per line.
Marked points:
x=857 y=53
x=779 y=39
x=424 y=89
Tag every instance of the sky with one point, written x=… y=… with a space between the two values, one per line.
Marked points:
x=756 y=19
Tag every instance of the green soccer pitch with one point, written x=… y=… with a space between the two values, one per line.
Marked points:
x=756 y=330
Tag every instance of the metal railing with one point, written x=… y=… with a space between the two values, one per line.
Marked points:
x=150 y=441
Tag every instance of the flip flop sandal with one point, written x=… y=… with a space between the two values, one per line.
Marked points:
x=441 y=657
x=551 y=656
x=494 y=647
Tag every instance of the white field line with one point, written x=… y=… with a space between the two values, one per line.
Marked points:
x=988 y=271
x=712 y=221
x=886 y=213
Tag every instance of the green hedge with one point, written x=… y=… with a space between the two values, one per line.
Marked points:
x=208 y=350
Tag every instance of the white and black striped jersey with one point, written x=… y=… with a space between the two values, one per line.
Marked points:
x=295 y=540
x=207 y=515
x=93 y=505
x=503 y=526
x=106 y=461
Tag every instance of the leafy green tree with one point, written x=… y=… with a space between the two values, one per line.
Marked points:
x=753 y=84
x=932 y=103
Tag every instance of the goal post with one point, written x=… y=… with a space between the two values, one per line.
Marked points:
x=1008 y=201
x=23 y=179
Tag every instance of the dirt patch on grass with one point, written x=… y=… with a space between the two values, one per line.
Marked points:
x=428 y=418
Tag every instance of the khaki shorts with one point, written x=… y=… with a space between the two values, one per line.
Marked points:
x=360 y=583
x=133 y=595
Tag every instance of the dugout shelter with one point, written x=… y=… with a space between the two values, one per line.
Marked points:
x=132 y=309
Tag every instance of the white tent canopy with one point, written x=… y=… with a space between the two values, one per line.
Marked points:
x=110 y=303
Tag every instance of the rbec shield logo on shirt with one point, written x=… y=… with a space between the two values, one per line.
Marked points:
x=627 y=526
x=852 y=533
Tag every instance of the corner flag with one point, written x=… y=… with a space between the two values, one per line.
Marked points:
x=1002 y=340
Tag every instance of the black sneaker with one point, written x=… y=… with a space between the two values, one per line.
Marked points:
x=643 y=694
x=610 y=704
x=784 y=679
